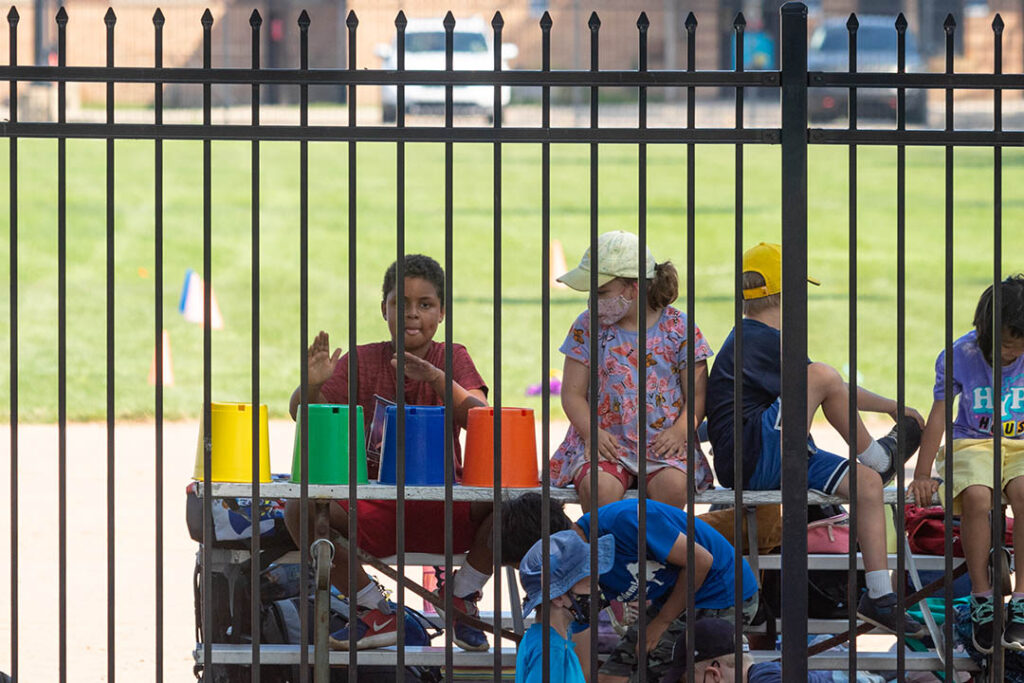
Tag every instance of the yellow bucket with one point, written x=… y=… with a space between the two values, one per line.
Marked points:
x=231 y=444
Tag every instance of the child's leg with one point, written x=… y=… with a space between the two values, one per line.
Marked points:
x=870 y=516
x=1015 y=492
x=976 y=534
x=339 y=523
x=826 y=388
x=668 y=485
x=610 y=486
x=480 y=556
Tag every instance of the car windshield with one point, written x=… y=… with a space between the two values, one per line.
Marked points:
x=433 y=41
x=869 y=39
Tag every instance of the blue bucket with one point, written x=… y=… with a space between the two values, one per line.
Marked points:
x=424 y=446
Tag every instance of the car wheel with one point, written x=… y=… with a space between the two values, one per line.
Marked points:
x=388 y=113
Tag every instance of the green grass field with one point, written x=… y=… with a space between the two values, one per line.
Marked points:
x=474 y=307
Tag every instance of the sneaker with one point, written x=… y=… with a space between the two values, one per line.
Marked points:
x=374 y=628
x=889 y=442
x=884 y=613
x=982 y=611
x=1013 y=634
x=465 y=636
x=1004 y=569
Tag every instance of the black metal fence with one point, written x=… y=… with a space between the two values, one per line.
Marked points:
x=792 y=83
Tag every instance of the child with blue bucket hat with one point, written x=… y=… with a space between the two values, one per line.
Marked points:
x=569 y=597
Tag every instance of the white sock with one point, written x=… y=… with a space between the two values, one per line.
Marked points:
x=878 y=583
x=370 y=597
x=467 y=581
x=875 y=457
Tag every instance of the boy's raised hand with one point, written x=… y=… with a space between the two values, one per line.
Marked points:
x=418 y=369
x=320 y=361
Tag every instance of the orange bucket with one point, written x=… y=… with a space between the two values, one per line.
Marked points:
x=518 y=448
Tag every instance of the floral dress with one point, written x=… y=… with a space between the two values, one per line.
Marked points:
x=618 y=407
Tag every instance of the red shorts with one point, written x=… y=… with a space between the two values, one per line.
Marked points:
x=625 y=477
x=424 y=526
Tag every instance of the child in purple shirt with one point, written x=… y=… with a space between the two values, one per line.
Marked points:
x=972 y=450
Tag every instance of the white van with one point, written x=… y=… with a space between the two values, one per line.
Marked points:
x=424 y=50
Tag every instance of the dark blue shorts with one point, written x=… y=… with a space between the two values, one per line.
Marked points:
x=825 y=471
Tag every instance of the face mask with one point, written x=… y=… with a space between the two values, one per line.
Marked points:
x=580 y=610
x=611 y=311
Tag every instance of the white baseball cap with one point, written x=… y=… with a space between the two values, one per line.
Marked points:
x=617 y=256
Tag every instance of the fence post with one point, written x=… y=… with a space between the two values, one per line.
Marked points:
x=794 y=340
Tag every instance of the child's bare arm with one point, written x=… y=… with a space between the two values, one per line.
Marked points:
x=923 y=485
x=575 y=385
x=874 y=403
x=675 y=603
x=575 y=403
x=423 y=370
x=700 y=384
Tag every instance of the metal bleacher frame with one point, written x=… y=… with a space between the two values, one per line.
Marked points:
x=229 y=654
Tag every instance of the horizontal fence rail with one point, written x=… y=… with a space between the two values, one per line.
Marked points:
x=316 y=529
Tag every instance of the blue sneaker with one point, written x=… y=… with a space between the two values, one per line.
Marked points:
x=374 y=628
x=465 y=636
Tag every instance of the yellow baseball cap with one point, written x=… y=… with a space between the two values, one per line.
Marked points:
x=766 y=259
x=617 y=256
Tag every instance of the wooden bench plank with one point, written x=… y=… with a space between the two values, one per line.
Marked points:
x=875 y=661
x=435 y=656
x=842 y=562
x=481 y=494
x=384 y=656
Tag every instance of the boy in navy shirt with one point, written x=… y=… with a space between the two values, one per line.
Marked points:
x=762 y=432
x=666 y=570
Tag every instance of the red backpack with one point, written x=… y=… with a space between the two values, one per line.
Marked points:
x=926 y=530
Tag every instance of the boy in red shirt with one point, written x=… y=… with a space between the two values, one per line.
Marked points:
x=424 y=385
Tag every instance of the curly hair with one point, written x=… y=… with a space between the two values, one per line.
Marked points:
x=415 y=265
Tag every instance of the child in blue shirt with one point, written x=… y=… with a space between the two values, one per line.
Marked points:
x=972 y=451
x=666 y=568
x=569 y=596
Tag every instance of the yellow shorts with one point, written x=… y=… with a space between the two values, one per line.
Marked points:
x=972 y=465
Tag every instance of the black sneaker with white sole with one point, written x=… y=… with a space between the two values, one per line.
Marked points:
x=884 y=612
x=982 y=611
x=1013 y=633
x=889 y=442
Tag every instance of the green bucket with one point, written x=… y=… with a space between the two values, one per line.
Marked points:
x=328 y=445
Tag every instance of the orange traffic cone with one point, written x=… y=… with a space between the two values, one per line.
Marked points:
x=557 y=264
x=168 y=368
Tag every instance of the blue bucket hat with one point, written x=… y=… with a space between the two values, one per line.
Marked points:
x=570 y=562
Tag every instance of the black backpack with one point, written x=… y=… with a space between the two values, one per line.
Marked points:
x=826 y=589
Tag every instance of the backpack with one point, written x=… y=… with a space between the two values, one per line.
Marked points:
x=282 y=623
x=826 y=589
